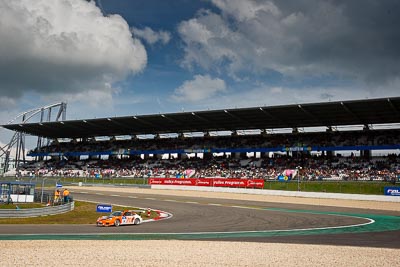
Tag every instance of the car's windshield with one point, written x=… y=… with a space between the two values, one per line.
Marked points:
x=116 y=213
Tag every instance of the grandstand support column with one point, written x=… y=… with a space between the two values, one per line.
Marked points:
x=133 y=156
x=207 y=155
x=330 y=154
x=74 y=158
x=366 y=154
x=94 y=157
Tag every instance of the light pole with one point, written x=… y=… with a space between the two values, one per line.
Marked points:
x=41 y=198
x=298 y=168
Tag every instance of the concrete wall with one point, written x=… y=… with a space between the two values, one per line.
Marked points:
x=282 y=193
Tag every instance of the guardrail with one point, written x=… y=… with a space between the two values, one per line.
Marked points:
x=36 y=212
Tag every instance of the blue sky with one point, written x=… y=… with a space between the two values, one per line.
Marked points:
x=122 y=57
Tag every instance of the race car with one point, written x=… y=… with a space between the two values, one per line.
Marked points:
x=118 y=218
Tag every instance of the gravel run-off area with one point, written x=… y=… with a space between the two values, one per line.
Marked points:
x=200 y=253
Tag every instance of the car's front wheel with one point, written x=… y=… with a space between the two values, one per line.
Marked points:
x=117 y=223
x=137 y=221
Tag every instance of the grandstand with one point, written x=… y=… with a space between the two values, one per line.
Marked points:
x=197 y=143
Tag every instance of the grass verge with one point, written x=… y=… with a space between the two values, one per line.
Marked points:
x=84 y=213
x=21 y=206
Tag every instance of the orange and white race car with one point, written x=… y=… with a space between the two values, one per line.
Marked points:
x=118 y=218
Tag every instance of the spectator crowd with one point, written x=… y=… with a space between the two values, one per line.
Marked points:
x=308 y=166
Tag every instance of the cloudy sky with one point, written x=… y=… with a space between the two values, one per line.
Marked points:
x=122 y=57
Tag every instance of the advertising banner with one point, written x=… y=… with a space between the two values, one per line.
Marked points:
x=257 y=183
x=287 y=175
x=229 y=183
x=392 y=191
x=103 y=208
x=172 y=181
x=217 y=182
x=203 y=182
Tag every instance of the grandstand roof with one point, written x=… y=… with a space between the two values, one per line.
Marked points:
x=355 y=112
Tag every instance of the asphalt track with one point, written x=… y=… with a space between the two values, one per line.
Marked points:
x=195 y=218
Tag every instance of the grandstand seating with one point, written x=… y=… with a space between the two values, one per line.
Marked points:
x=313 y=167
x=272 y=141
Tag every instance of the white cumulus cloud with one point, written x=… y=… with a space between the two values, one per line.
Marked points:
x=245 y=10
x=63 y=46
x=151 y=36
x=198 y=89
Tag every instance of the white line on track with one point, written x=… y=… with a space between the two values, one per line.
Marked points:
x=115 y=195
x=191 y=202
x=243 y=207
x=131 y=197
x=370 y=221
x=214 y=204
x=150 y=198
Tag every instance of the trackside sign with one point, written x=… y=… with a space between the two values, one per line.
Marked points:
x=392 y=191
x=104 y=208
x=216 y=182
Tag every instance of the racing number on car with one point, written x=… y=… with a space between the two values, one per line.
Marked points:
x=127 y=220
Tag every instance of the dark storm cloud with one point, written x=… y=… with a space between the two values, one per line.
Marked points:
x=367 y=44
x=357 y=40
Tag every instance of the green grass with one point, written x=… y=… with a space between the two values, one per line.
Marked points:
x=22 y=206
x=84 y=213
x=112 y=181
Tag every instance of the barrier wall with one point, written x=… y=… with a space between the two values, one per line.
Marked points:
x=282 y=193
